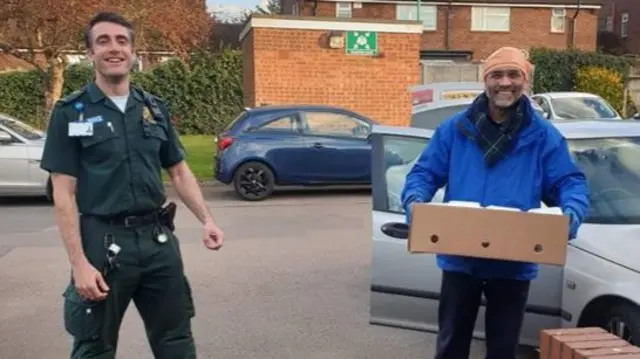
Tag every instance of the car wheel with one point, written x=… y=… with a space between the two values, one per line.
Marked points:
x=254 y=181
x=623 y=320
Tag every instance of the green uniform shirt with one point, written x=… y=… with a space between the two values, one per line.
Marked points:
x=118 y=168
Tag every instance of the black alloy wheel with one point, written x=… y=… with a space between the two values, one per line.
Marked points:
x=254 y=181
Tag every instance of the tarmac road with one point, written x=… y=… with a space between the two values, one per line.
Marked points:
x=291 y=282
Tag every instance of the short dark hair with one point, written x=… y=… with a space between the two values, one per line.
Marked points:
x=106 y=16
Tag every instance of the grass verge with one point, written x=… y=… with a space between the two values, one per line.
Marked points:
x=200 y=152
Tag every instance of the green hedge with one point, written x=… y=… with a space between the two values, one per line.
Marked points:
x=204 y=93
x=555 y=70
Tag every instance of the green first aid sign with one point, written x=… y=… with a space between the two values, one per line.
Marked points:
x=361 y=43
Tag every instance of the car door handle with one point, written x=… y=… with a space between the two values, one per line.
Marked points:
x=317 y=145
x=396 y=230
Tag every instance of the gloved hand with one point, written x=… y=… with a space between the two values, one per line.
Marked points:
x=574 y=222
x=407 y=209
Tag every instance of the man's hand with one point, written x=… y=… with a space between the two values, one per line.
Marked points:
x=89 y=282
x=574 y=223
x=213 y=236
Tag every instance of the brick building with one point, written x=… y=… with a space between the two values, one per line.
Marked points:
x=304 y=60
x=619 y=25
x=474 y=28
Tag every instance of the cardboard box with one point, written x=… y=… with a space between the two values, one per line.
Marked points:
x=489 y=233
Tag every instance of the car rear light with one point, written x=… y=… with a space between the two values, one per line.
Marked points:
x=224 y=142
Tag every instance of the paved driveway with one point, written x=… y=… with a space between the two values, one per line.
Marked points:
x=291 y=282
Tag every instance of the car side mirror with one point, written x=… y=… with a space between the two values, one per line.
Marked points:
x=5 y=137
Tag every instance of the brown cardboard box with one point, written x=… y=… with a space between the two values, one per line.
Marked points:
x=489 y=233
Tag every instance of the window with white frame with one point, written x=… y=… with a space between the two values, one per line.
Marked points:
x=343 y=9
x=558 y=20
x=490 y=18
x=428 y=14
x=608 y=23
x=624 y=25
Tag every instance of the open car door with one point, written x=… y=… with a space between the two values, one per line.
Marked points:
x=405 y=288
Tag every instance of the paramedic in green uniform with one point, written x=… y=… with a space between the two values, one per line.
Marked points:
x=106 y=145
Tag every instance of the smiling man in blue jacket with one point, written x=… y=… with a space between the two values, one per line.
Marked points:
x=497 y=152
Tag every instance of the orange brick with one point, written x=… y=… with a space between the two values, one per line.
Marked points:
x=551 y=339
x=622 y=352
x=569 y=348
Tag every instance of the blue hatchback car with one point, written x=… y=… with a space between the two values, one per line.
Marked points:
x=270 y=146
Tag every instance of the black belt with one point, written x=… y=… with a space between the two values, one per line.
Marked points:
x=130 y=221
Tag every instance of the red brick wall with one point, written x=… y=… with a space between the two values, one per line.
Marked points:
x=530 y=27
x=618 y=7
x=293 y=66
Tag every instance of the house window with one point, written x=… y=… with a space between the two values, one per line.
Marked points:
x=624 y=25
x=608 y=23
x=343 y=9
x=558 y=17
x=296 y=9
x=428 y=14
x=490 y=18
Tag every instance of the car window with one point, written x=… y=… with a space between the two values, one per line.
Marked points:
x=22 y=129
x=287 y=123
x=582 y=108
x=238 y=119
x=401 y=153
x=335 y=124
x=612 y=167
x=432 y=118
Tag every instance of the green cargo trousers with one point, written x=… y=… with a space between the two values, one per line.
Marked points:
x=150 y=273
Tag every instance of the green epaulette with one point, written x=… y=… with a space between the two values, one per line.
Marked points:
x=72 y=97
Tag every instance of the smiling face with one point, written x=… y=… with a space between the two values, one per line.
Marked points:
x=111 y=51
x=504 y=86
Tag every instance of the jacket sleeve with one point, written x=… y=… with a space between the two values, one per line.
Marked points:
x=563 y=180
x=431 y=171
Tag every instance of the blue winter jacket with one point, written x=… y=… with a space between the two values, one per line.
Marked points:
x=537 y=166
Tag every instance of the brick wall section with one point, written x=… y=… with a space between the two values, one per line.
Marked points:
x=289 y=66
x=616 y=8
x=530 y=27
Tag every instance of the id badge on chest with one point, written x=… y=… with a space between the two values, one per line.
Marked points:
x=80 y=129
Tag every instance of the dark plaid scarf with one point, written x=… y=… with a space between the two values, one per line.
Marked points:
x=494 y=140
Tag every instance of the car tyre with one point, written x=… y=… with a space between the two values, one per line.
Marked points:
x=253 y=181
x=623 y=320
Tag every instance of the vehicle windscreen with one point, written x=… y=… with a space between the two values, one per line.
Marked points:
x=582 y=108
x=22 y=129
x=612 y=167
x=432 y=118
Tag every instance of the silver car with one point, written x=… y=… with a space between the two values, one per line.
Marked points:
x=20 y=153
x=597 y=287
x=574 y=106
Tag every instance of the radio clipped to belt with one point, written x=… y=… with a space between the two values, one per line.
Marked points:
x=166 y=217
